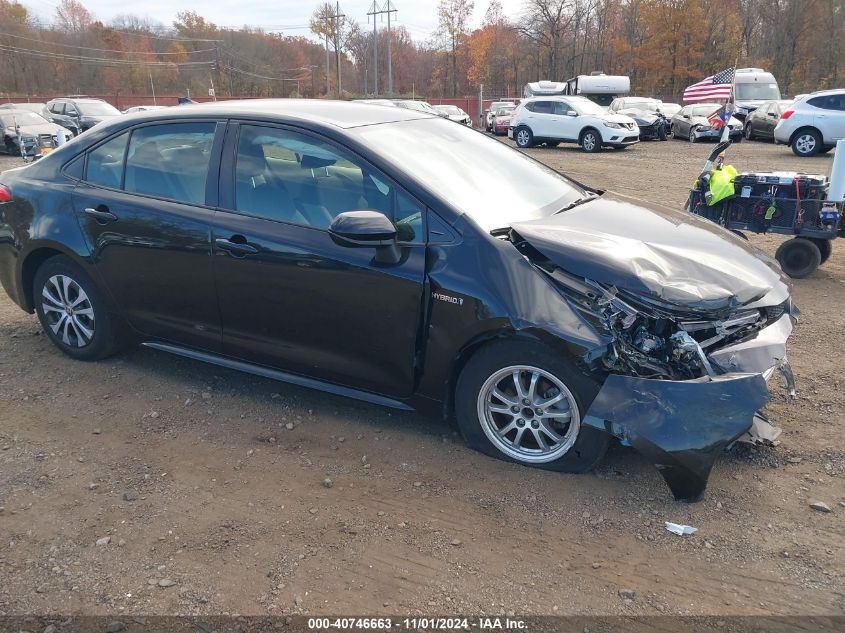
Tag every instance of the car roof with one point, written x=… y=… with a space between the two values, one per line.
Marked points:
x=80 y=99
x=832 y=91
x=340 y=114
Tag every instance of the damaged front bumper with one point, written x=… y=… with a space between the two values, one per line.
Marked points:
x=683 y=425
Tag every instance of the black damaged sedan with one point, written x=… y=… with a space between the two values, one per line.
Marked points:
x=394 y=257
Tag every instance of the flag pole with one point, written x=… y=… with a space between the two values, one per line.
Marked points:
x=726 y=128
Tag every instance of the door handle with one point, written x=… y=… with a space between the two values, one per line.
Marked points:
x=102 y=214
x=236 y=245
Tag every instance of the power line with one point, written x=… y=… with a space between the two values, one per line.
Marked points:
x=96 y=60
x=100 y=50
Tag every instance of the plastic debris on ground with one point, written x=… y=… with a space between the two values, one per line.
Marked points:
x=680 y=530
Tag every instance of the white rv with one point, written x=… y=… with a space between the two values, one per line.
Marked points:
x=597 y=87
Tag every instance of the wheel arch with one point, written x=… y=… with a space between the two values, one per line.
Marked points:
x=585 y=129
x=806 y=128
x=484 y=339
x=33 y=260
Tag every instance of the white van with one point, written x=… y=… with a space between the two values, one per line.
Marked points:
x=753 y=86
x=544 y=89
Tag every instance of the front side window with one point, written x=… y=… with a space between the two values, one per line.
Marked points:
x=170 y=161
x=561 y=107
x=105 y=162
x=292 y=177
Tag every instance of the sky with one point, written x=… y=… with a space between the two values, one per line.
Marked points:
x=288 y=16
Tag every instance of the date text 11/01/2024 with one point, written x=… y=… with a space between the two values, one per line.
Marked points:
x=417 y=623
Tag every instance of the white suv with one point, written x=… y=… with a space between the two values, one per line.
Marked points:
x=552 y=120
x=813 y=123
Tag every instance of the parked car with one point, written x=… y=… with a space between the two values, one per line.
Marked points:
x=142 y=108
x=419 y=106
x=553 y=120
x=691 y=123
x=761 y=122
x=454 y=113
x=41 y=110
x=813 y=123
x=502 y=117
x=406 y=261
x=647 y=112
x=487 y=115
x=29 y=128
x=84 y=112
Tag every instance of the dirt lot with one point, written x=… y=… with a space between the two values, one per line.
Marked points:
x=233 y=512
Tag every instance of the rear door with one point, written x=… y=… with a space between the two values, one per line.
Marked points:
x=830 y=116
x=541 y=119
x=145 y=207
x=290 y=297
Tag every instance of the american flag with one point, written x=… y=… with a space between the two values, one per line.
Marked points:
x=715 y=88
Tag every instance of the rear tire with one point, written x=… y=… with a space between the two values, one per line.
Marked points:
x=545 y=431
x=806 y=143
x=524 y=137
x=72 y=311
x=799 y=257
x=825 y=248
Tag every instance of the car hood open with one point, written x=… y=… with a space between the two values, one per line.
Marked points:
x=665 y=254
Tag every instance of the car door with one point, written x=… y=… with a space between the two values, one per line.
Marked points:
x=541 y=119
x=290 y=297
x=682 y=122
x=145 y=205
x=769 y=119
x=830 y=117
x=566 y=126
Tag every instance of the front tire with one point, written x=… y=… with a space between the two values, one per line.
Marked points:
x=523 y=137
x=806 y=143
x=692 y=137
x=519 y=402
x=591 y=141
x=799 y=257
x=72 y=311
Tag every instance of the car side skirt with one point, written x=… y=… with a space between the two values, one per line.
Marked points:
x=281 y=376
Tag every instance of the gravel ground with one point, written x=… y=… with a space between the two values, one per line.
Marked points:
x=149 y=484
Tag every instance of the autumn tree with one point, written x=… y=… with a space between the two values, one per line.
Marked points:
x=453 y=18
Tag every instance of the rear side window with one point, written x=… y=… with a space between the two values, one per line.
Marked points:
x=170 y=161
x=105 y=162
x=543 y=107
x=828 y=102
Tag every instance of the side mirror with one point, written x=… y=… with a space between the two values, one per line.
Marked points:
x=571 y=113
x=685 y=116
x=772 y=114
x=366 y=229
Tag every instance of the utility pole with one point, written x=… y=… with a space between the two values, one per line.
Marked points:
x=374 y=11
x=337 y=15
x=328 y=85
x=388 y=9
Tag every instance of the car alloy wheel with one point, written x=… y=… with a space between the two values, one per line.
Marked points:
x=805 y=144
x=528 y=414
x=68 y=311
x=692 y=137
x=589 y=141
x=749 y=133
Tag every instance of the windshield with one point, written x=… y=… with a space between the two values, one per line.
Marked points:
x=22 y=118
x=477 y=175
x=670 y=108
x=96 y=108
x=643 y=106
x=705 y=110
x=757 y=92
x=585 y=106
x=449 y=109
x=504 y=111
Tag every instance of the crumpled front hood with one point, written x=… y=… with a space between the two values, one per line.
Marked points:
x=669 y=255
x=642 y=118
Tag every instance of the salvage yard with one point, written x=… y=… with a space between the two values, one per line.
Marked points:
x=152 y=484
